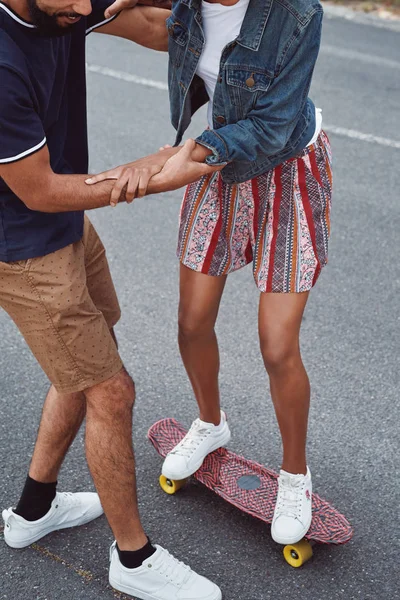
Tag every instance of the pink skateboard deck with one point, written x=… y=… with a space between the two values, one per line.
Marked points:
x=249 y=486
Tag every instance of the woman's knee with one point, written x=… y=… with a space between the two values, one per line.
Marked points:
x=194 y=325
x=279 y=354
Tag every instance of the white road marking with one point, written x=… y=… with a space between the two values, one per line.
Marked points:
x=364 y=137
x=360 y=56
x=160 y=85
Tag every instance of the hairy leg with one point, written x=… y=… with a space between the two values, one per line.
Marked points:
x=200 y=297
x=110 y=456
x=62 y=417
x=61 y=420
x=280 y=318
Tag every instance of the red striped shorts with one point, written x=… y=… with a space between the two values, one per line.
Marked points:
x=279 y=221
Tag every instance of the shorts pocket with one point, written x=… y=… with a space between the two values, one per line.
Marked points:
x=21 y=265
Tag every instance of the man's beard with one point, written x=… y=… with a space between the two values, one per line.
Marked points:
x=47 y=25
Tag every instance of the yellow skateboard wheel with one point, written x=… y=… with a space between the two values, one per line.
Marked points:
x=171 y=486
x=297 y=554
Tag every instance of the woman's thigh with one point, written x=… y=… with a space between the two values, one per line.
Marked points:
x=200 y=297
x=279 y=321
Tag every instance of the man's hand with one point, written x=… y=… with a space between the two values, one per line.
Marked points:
x=120 y=5
x=167 y=170
x=134 y=176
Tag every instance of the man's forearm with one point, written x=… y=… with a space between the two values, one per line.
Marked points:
x=69 y=192
x=191 y=169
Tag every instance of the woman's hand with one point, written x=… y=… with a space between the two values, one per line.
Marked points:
x=120 y=5
x=184 y=167
x=133 y=178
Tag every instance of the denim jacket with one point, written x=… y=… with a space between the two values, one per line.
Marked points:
x=262 y=115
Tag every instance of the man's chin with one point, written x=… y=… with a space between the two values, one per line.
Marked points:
x=57 y=29
x=50 y=25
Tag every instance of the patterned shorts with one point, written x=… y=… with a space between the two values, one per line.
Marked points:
x=279 y=221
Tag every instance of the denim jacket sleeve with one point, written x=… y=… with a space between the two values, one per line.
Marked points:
x=269 y=126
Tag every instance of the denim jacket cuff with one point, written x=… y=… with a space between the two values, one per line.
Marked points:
x=211 y=140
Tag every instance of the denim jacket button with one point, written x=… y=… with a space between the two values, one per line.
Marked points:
x=250 y=81
x=221 y=119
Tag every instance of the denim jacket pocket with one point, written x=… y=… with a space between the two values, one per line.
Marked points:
x=177 y=40
x=245 y=85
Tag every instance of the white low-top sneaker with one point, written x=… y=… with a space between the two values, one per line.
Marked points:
x=201 y=439
x=293 y=510
x=161 y=577
x=67 y=510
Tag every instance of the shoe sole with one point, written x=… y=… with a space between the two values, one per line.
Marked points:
x=284 y=541
x=180 y=476
x=143 y=596
x=25 y=543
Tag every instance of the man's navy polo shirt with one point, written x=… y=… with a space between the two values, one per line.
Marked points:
x=42 y=101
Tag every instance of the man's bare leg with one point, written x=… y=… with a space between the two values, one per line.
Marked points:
x=108 y=447
x=62 y=417
x=110 y=457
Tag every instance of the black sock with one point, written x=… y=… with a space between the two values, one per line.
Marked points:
x=36 y=499
x=134 y=559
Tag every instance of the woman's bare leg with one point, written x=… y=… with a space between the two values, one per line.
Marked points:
x=280 y=318
x=200 y=297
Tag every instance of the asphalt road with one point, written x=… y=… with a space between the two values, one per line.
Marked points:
x=350 y=343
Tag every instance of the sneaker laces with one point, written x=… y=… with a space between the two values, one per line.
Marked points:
x=192 y=440
x=289 y=497
x=176 y=571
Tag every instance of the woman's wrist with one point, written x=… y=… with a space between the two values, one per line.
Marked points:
x=200 y=153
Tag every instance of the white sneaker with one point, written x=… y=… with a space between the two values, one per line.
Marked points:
x=188 y=456
x=293 y=510
x=67 y=510
x=161 y=577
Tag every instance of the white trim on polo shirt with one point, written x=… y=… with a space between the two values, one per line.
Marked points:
x=16 y=17
x=101 y=24
x=21 y=21
x=23 y=154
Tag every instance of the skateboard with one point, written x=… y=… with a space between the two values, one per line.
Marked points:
x=252 y=488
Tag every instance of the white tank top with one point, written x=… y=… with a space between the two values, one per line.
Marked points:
x=221 y=25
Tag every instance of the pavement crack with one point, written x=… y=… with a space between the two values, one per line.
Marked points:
x=86 y=575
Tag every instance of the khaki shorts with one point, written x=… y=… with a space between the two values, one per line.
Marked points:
x=65 y=305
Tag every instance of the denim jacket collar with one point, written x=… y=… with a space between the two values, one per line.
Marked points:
x=247 y=37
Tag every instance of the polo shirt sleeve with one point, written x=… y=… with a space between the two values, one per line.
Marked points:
x=96 y=18
x=21 y=130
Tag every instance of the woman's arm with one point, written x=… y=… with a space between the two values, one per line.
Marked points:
x=167 y=170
